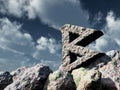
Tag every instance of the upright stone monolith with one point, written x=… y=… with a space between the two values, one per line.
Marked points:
x=74 y=40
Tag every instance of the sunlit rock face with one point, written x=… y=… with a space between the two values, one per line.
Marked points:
x=111 y=72
x=32 y=78
x=109 y=66
x=87 y=79
x=60 y=80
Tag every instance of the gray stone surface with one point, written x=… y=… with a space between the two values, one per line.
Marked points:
x=60 y=80
x=75 y=55
x=109 y=66
x=74 y=38
x=30 y=78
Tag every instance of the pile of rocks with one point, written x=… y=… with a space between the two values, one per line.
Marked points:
x=32 y=78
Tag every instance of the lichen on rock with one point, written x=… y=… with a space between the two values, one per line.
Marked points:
x=60 y=80
x=87 y=79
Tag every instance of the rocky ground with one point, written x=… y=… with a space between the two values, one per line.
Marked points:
x=81 y=69
x=103 y=74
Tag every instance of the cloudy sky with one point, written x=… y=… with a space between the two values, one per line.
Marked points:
x=29 y=29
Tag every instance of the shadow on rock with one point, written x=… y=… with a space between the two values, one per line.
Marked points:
x=108 y=84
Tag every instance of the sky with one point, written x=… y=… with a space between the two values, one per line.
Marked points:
x=30 y=29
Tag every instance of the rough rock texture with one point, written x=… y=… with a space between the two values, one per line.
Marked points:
x=111 y=73
x=87 y=79
x=74 y=38
x=109 y=66
x=75 y=55
x=59 y=80
x=5 y=79
x=30 y=78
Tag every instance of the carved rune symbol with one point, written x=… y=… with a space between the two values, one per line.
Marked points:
x=74 y=39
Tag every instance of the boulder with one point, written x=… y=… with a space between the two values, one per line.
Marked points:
x=109 y=66
x=5 y=79
x=87 y=79
x=111 y=72
x=60 y=80
x=30 y=78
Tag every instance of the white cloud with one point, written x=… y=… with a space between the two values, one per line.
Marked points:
x=113 y=25
x=45 y=43
x=10 y=34
x=111 y=38
x=14 y=45
x=13 y=7
x=55 y=13
x=18 y=49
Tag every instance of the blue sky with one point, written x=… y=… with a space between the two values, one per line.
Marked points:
x=30 y=29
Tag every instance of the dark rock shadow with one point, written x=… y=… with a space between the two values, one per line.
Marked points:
x=100 y=62
x=108 y=84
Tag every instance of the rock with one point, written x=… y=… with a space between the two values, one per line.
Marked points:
x=111 y=72
x=5 y=79
x=60 y=80
x=109 y=66
x=30 y=78
x=74 y=40
x=87 y=79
